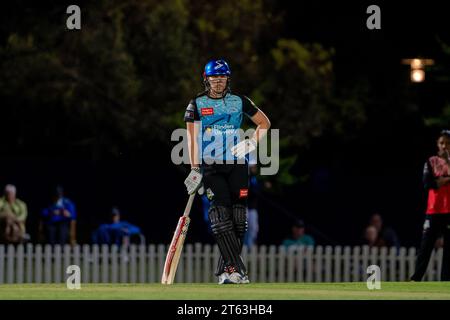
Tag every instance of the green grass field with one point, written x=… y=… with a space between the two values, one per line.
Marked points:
x=254 y=291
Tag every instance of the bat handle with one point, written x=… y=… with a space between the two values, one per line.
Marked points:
x=187 y=210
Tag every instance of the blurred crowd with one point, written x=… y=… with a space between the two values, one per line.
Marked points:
x=58 y=222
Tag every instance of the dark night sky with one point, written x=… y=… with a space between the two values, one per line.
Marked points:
x=379 y=170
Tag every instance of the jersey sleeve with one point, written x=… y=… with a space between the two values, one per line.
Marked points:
x=248 y=107
x=191 y=113
x=429 y=181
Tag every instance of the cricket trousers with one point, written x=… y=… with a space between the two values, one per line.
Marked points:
x=435 y=225
x=226 y=186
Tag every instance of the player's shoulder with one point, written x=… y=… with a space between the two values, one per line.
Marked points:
x=201 y=95
x=196 y=98
x=435 y=161
x=433 y=158
x=239 y=96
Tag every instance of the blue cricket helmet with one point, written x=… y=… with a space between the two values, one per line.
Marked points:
x=216 y=68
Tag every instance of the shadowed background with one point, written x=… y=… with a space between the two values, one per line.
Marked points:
x=93 y=109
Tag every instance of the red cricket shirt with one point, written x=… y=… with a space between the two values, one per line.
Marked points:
x=439 y=199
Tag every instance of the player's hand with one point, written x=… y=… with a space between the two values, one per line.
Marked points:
x=194 y=181
x=244 y=147
x=447 y=156
x=442 y=181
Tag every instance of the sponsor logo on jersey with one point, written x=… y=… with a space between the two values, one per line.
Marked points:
x=189 y=114
x=221 y=129
x=209 y=194
x=207 y=111
x=223 y=126
x=243 y=193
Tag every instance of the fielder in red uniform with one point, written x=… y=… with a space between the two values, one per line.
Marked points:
x=436 y=178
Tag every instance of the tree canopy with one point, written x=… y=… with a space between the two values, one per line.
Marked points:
x=123 y=81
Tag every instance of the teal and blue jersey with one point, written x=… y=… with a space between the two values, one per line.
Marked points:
x=219 y=120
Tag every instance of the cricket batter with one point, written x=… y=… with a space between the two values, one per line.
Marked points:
x=212 y=119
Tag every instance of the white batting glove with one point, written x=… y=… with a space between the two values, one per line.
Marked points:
x=244 y=147
x=194 y=181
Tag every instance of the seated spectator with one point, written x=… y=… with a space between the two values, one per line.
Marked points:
x=371 y=237
x=10 y=228
x=205 y=208
x=251 y=235
x=118 y=232
x=16 y=207
x=298 y=236
x=59 y=220
x=439 y=243
x=386 y=236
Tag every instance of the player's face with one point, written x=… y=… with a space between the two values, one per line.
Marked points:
x=218 y=83
x=443 y=145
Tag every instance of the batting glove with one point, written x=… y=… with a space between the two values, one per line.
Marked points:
x=194 y=181
x=244 y=147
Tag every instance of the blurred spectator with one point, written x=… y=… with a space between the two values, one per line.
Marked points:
x=385 y=236
x=439 y=243
x=252 y=212
x=59 y=220
x=371 y=237
x=118 y=232
x=205 y=208
x=298 y=236
x=15 y=207
x=10 y=228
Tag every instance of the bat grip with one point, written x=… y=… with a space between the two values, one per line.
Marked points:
x=187 y=210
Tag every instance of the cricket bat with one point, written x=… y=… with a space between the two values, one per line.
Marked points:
x=176 y=246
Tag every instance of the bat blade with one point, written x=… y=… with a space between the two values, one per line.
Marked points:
x=175 y=249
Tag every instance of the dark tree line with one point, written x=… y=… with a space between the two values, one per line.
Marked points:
x=122 y=82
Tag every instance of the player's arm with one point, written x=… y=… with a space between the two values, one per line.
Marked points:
x=430 y=181
x=193 y=181
x=192 y=132
x=190 y=117
x=262 y=124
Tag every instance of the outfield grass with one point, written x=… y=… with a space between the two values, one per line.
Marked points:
x=254 y=291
